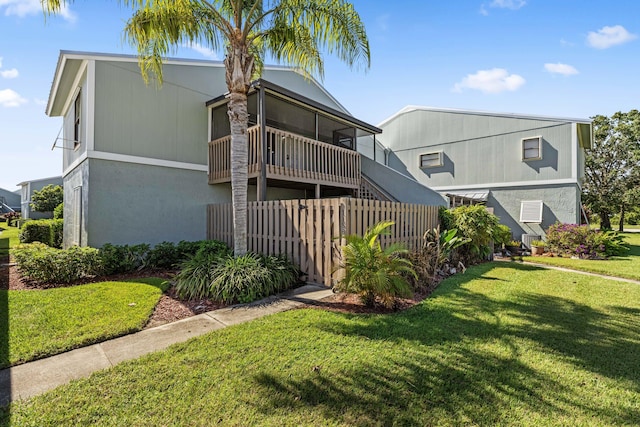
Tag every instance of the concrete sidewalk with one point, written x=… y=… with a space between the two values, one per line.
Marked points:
x=33 y=378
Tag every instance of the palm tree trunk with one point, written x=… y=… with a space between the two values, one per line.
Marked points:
x=239 y=65
x=238 y=119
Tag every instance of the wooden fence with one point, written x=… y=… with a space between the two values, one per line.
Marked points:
x=311 y=232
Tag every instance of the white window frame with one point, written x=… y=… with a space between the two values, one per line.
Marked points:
x=531 y=138
x=439 y=164
x=77 y=119
x=529 y=209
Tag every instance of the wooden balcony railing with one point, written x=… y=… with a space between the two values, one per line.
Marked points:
x=290 y=157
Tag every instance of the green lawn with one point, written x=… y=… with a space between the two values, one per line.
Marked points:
x=8 y=239
x=39 y=323
x=627 y=266
x=502 y=344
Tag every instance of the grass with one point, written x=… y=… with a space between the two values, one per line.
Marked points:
x=8 y=239
x=40 y=323
x=502 y=344
x=627 y=266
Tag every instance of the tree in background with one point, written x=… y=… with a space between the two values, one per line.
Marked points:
x=46 y=199
x=294 y=32
x=612 y=166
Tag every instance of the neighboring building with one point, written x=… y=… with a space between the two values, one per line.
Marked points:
x=141 y=163
x=528 y=169
x=9 y=201
x=27 y=189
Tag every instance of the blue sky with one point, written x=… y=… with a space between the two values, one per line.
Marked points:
x=566 y=58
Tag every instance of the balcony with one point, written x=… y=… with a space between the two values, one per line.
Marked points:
x=290 y=157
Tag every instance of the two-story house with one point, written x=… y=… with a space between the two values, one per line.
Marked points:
x=141 y=162
x=528 y=169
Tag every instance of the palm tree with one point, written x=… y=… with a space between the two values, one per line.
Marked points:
x=294 y=32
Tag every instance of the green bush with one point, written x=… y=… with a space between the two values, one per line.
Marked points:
x=231 y=279
x=47 y=231
x=58 y=212
x=501 y=235
x=582 y=242
x=371 y=271
x=47 y=265
x=478 y=225
x=445 y=218
x=118 y=259
x=163 y=255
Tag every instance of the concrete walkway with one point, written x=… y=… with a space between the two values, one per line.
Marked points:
x=33 y=378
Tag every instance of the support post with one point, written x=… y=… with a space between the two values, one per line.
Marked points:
x=262 y=120
x=317 y=191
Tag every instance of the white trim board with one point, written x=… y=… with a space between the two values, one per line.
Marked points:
x=507 y=184
x=101 y=155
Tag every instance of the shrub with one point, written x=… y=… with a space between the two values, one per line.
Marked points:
x=538 y=244
x=11 y=218
x=47 y=265
x=479 y=225
x=501 y=235
x=231 y=279
x=445 y=218
x=117 y=259
x=47 y=231
x=581 y=241
x=514 y=243
x=371 y=271
x=58 y=212
x=436 y=251
x=163 y=255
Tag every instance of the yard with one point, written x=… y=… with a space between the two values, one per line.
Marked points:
x=503 y=343
x=627 y=266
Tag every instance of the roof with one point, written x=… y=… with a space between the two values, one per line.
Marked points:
x=286 y=93
x=51 y=178
x=476 y=196
x=71 y=62
x=410 y=108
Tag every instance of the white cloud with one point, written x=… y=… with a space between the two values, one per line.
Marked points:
x=508 y=4
x=39 y=101
x=483 y=10
x=23 y=8
x=10 y=98
x=495 y=80
x=564 y=69
x=606 y=37
x=9 y=74
x=202 y=50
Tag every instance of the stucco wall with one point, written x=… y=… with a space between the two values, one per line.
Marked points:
x=76 y=212
x=560 y=203
x=132 y=203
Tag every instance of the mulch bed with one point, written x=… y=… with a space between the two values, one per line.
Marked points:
x=171 y=307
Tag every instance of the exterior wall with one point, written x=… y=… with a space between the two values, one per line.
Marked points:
x=477 y=149
x=402 y=188
x=170 y=122
x=10 y=198
x=132 y=203
x=560 y=203
x=76 y=211
x=69 y=154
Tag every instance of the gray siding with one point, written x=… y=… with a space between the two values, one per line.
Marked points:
x=477 y=149
x=31 y=187
x=69 y=155
x=170 y=122
x=75 y=212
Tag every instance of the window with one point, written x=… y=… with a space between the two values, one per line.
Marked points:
x=431 y=160
x=532 y=148
x=531 y=211
x=77 y=110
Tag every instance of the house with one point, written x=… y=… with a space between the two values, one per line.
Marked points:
x=9 y=201
x=27 y=188
x=528 y=169
x=141 y=163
